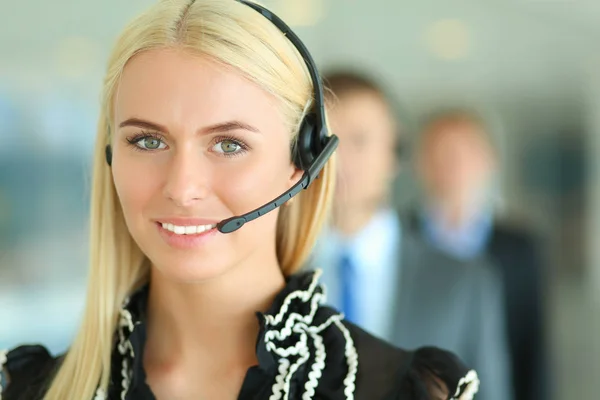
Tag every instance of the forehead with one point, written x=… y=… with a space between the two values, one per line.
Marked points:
x=172 y=86
x=457 y=131
x=454 y=138
x=369 y=101
x=363 y=109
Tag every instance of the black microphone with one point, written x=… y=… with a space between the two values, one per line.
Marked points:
x=234 y=223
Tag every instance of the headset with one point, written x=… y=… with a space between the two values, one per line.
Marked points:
x=313 y=146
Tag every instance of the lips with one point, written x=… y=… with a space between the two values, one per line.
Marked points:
x=187 y=229
x=187 y=234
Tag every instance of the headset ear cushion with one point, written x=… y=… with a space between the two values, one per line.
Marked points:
x=304 y=151
x=108 y=154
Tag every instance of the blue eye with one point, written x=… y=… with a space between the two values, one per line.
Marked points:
x=150 y=143
x=229 y=147
x=146 y=142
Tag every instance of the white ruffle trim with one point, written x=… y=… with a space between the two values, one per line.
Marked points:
x=3 y=360
x=468 y=386
x=303 y=326
x=125 y=347
x=294 y=323
x=100 y=394
x=125 y=350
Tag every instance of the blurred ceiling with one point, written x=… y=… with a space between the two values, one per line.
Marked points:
x=505 y=53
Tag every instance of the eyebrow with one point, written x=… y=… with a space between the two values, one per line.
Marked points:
x=216 y=128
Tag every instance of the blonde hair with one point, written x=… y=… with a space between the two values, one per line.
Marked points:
x=234 y=35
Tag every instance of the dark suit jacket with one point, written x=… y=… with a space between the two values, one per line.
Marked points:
x=517 y=258
x=513 y=253
x=441 y=301
x=456 y=305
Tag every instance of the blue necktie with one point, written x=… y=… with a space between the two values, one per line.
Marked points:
x=348 y=283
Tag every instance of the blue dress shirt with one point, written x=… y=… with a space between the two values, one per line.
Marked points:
x=465 y=241
x=374 y=257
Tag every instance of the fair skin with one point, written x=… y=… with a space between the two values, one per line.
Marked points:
x=366 y=157
x=455 y=164
x=218 y=147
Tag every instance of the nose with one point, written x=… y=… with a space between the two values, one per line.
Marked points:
x=188 y=178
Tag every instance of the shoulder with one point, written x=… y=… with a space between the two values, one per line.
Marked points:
x=513 y=233
x=25 y=371
x=427 y=373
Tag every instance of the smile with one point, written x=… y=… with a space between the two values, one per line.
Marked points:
x=188 y=230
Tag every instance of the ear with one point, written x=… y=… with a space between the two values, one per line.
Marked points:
x=295 y=175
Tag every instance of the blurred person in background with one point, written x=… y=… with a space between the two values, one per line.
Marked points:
x=364 y=237
x=457 y=163
x=202 y=104
x=378 y=273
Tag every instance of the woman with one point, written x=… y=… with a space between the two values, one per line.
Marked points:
x=202 y=103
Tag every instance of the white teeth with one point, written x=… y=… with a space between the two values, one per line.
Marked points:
x=187 y=230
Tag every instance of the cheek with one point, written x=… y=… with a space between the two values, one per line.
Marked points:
x=345 y=164
x=352 y=160
x=135 y=192
x=252 y=183
x=383 y=160
x=239 y=189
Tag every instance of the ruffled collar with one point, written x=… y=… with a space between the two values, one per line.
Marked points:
x=290 y=348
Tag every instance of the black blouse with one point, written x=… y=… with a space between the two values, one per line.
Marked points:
x=305 y=350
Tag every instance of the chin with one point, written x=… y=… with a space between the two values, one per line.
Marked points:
x=189 y=272
x=189 y=268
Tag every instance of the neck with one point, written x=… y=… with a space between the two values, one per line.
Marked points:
x=350 y=219
x=192 y=324
x=456 y=213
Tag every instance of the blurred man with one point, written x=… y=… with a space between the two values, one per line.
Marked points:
x=365 y=235
x=457 y=163
x=383 y=277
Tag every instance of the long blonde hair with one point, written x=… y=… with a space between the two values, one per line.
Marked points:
x=237 y=36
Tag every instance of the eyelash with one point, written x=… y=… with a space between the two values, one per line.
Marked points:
x=134 y=139
x=243 y=146
x=138 y=137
